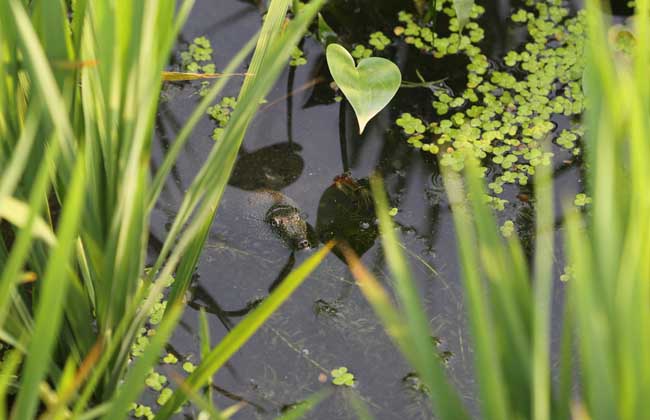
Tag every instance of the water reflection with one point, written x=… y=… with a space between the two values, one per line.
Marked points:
x=346 y=213
x=272 y=167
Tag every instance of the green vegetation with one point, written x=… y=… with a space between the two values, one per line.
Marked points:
x=220 y=113
x=341 y=377
x=368 y=86
x=503 y=116
x=78 y=99
x=84 y=322
x=198 y=56
x=605 y=340
x=297 y=58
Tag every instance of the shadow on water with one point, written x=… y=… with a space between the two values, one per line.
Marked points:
x=304 y=154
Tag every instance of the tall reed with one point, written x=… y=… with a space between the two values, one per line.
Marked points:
x=79 y=91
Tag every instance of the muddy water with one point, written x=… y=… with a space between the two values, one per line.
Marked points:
x=327 y=323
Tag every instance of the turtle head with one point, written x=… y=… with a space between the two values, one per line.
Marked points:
x=288 y=223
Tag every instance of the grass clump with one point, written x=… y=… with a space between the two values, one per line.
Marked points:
x=80 y=91
x=602 y=369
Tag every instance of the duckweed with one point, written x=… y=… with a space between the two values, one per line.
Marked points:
x=569 y=273
x=505 y=113
x=360 y=52
x=155 y=381
x=297 y=57
x=379 y=41
x=164 y=396
x=220 y=113
x=341 y=377
x=170 y=359
x=198 y=56
x=189 y=367
x=582 y=200
x=507 y=229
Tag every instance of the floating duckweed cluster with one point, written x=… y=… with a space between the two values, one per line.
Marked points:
x=582 y=200
x=155 y=381
x=378 y=41
x=198 y=56
x=507 y=229
x=297 y=57
x=504 y=114
x=220 y=113
x=342 y=377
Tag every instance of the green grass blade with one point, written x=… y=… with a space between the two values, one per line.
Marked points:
x=492 y=389
x=393 y=321
x=543 y=293
x=134 y=382
x=49 y=311
x=305 y=406
x=360 y=408
x=446 y=401
x=8 y=378
x=44 y=81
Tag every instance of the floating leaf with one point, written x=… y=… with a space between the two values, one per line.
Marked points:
x=368 y=87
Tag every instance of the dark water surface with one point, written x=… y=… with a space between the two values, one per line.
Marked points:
x=296 y=142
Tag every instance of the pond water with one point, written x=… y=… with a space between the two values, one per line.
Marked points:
x=300 y=141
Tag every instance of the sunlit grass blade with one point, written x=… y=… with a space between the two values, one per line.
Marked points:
x=360 y=408
x=49 y=311
x=44 y=81
x=172 y=154
x=445 y=400
x=134 y=383
x=22 y=245
x=17 y=213
x=543 y=279
x=204 y=335
x=492 y=389
x=244 y=330
x=393 y=321
x=299 y=411
x=206 y=404
x=8 y=378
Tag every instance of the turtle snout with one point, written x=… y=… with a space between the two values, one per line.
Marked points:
x=303 y=244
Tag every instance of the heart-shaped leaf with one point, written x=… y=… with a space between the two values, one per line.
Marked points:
x=368 y=87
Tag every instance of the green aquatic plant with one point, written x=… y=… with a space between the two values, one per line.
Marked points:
x=368 y=86
x=220 y=113
x=500 y=116
x=507 y=229
x=198 y=56
x=582 y=200
x=342 y=377
x=360 y=52
x=601 y=370
x=379 y=41
x=297 y=58
x=410 y=124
